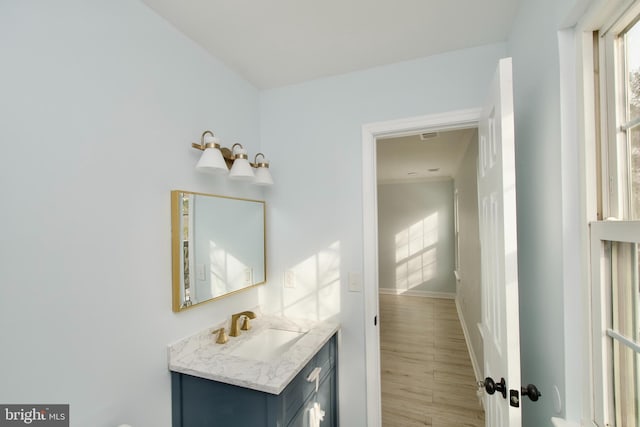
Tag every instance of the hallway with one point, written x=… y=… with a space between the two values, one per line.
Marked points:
x=427 y=377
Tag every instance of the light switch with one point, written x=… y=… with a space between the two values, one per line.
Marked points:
x=355 y=282
x=201 y=271
x=248 y=276
x=289 y=279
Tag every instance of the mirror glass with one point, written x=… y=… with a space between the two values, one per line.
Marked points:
x=218 y=246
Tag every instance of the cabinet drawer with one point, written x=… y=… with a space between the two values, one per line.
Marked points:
x=324 y=397
x=327 y=354
x=299 y=390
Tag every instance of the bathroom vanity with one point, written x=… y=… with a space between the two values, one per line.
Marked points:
x=272 y=375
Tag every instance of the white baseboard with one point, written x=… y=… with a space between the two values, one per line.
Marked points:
x=561 y=422
x=474 y=361
x=423 y=294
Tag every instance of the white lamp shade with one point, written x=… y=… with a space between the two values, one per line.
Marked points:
x=212 y=161
x=263 y=176
x=241 y=170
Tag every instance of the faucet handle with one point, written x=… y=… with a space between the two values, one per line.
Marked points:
x=245 y=324
x=222 y=336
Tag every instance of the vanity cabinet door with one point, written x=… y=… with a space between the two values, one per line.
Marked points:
x=205 y=403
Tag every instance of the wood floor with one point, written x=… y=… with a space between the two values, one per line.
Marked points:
x=427 y=376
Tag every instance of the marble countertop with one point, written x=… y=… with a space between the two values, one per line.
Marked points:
x=200 y=356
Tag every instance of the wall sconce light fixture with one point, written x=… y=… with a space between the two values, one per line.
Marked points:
x=261 y=169
x=212 y=160
x=221 y=160
x=240 y=169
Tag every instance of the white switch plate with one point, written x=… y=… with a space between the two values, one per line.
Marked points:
x=201 y=272
x=289 y=279
x=355 y=282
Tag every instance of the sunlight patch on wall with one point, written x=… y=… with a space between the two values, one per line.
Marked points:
x=416 y=253
x=316 y=291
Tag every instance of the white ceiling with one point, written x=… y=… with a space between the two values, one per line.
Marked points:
x=274 y=43
x=409 y=158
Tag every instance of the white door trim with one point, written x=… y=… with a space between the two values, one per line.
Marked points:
x=461 y=119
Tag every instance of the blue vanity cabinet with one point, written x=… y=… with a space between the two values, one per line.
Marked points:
x=199 y=402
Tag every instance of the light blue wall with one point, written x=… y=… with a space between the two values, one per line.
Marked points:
x=533 y=45
x=99 y=104
x=416 y=249
x=312 y=134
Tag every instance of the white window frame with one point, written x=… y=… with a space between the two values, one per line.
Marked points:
x=615 y=203
x=602 y=232
x=604 y=190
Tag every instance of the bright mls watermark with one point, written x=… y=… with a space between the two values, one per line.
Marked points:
x=34 y=415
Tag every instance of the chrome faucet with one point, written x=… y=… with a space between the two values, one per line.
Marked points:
x=235 y=331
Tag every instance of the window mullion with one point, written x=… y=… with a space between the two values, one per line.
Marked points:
x=624 y=340
x=624 y=127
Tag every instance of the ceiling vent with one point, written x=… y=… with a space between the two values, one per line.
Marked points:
x=428 y=135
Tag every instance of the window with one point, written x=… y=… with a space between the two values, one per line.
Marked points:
x=615 y=241
x=620 y=86
x=623 y=330
x=616 y=307
x=631 y=44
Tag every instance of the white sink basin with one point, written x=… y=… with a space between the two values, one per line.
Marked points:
x=267 y=345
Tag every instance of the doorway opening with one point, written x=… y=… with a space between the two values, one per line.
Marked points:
x=429 y=278
x=372 y=133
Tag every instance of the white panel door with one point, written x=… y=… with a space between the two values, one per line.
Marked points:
x=498 y=241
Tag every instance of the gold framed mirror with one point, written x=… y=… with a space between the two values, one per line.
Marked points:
x=218 y=246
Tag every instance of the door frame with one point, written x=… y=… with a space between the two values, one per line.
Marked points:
x=459 y=119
